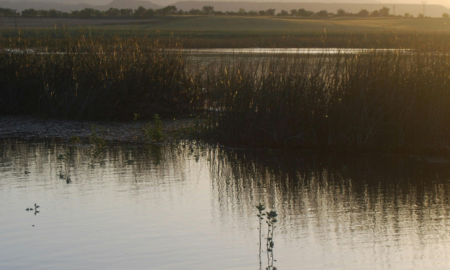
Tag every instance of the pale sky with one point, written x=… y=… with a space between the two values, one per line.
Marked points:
x=435 y=2
x=168 y=2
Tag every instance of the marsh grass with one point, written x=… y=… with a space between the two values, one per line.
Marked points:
x=379 y=101
x=88 y=78
x=383 y=101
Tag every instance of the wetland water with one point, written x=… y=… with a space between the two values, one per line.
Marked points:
x=247 y=51
x=278 y=51
x=192 y=206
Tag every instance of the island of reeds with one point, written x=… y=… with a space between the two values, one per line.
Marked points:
x=389 y=101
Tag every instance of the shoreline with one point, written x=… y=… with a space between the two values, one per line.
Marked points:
x=26 y=127
x=33 y=127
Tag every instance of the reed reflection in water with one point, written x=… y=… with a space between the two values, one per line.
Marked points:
x=193 y=205
x=365 y=212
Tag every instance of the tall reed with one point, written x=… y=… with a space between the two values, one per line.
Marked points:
x=378 y=101
x=385 y=101
x=82 y=77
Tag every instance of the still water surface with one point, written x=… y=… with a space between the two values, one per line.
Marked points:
x=191 y=206
x=289 y=51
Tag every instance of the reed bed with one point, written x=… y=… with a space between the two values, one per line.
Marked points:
x=383 y=101
x=378 y=101
x=87 y=78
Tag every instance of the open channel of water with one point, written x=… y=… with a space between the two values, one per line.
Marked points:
x=278 y=51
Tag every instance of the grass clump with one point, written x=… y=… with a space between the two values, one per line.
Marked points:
x=97 y=137
x=98 y=141
x=74 y=140
x=155 y=132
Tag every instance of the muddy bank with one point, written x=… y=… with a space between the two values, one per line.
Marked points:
x=30 y=127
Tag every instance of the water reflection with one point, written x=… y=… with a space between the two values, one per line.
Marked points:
x=370 y=208
x=193 y=205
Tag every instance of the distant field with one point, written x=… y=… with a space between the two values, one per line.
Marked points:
x=219 y=23
x=33 y=23
x=249 y=32
x=232 y=25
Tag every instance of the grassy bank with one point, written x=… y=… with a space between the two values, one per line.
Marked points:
x=380 y=101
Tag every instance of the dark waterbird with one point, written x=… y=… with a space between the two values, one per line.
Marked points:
x=36 y=207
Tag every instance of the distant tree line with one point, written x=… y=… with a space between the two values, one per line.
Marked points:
x=142 y=13
x=209 y=10
x=7 y=12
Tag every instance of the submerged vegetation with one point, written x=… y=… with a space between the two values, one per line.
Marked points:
x=383 y=101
